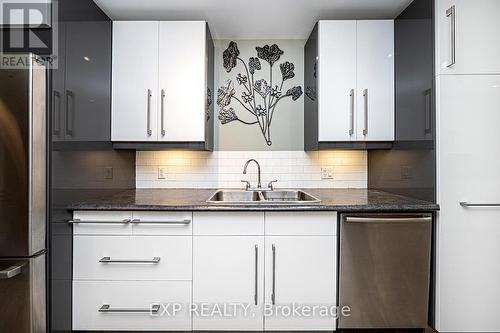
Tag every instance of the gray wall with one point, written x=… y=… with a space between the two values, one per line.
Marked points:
x=287 y=125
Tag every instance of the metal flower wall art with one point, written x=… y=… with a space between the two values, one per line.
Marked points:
x=258 y=97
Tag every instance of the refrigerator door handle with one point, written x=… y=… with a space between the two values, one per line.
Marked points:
x=11 y=271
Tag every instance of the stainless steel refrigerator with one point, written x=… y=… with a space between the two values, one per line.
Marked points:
x=23 y=197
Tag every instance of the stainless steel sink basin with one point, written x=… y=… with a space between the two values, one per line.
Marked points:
x=289 y=196
x=235 y=197
x=238 y=197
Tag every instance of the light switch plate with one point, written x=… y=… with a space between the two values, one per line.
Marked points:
x=162 y=173
x=406 y=172
x=327 y=173
x=108 y=173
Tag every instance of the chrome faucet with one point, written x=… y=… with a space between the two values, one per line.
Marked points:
x=258 y=171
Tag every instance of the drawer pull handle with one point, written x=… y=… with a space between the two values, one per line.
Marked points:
x=106 y=308
x=155 y=260
x=185 y=221
x=75 y=221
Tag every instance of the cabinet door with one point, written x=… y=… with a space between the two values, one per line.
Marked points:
x=415 y=74
x=475 y=39
x=300 y=270
x=375 y=80
x=135 y=81
x=228 y=271
x=58 y=87
x=469 y=170
x=182 y=81
x=336 y=80
x=87 y=97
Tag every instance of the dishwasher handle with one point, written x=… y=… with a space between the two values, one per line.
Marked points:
x=414 y=219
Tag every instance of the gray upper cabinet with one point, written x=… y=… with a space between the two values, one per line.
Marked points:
x=58 y=78
x=82 y=83
x=414 y=74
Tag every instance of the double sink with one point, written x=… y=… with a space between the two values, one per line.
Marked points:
x=263 y=197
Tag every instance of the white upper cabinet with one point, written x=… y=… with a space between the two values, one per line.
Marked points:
x=336 y=80
x=467 y=37
x=182 y=81
x=135 y=81
x=375 y=80
x=160 y=81
x=355 y=76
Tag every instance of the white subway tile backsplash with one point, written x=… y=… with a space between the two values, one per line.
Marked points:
x=223 y=169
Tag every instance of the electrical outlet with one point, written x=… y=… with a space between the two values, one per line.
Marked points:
x=162 y=173
x=108 y=173
x=327 y=173
x=406 y=172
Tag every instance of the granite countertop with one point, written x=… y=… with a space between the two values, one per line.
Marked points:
x=341 y=200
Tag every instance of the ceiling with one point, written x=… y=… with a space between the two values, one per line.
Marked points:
x=253 y=19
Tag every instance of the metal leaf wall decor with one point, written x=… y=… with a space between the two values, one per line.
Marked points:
x=258 y=97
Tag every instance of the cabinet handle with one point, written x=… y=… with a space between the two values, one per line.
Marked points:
x=162 y=112
x=76 y=221
x=351 y=116
x=467 y=204
x=11 y=271
x=451 y=13
x=155 y=260
x=365 y=98
x=106 y=308
x=69 y=112
x=256 y=297
x=273 y=295
x=428 y=109
x=149 y=131
x=57 y=113
x=183 y=222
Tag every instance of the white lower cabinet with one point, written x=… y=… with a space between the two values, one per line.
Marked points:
x=228 y=272
x=127 y=305
x=300 y=275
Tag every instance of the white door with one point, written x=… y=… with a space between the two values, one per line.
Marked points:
x=475 y=39
x=375 y=80
x=182 y=81
x=228 y=272
x=468 y=269
x=300 y=270
x=336 y=80
x=135 y=81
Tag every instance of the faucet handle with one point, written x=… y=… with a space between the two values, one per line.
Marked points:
x=247 y=186
x=270 y=184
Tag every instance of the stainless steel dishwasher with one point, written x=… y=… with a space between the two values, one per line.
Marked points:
x=384 y=270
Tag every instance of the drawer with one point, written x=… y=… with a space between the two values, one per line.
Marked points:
x=162 y=223
x=102 y=223
x=301 y=223
x=132 y=257
x=228 y=223
x=129 y=305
